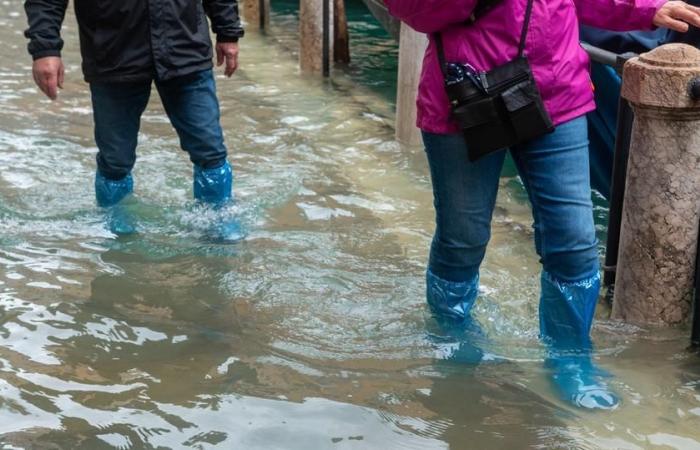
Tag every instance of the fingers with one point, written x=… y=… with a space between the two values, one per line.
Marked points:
x=690 y=15
x=219 y=55
x=677 y=16
x=673 y=24
x=684 y=13
x=49 y=75
x=48 y=83
x=51 y=85
x=231 y=64
x=227 y=52
x=61 y=76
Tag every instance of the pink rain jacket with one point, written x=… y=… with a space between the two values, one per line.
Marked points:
x=560 y=65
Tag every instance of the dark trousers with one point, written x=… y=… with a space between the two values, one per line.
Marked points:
x=192 y=108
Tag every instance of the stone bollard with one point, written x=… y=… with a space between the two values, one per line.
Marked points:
x=659 y=236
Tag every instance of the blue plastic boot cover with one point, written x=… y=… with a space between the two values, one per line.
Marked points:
x=566 y=316
x=213 y=186
x=457 y=337
x=451 y=299
x=109 y=194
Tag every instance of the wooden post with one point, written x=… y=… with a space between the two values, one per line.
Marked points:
x=659 y=235
x=341 y=40
x=411 y=49
x=315 y=32
x=257 y=13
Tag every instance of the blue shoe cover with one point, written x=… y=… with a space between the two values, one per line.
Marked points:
x=109 y=195
x=453 y=330
x=214 y=187
x=580 y=382
x=449 y=299
x=457 y=342
x=566 y=316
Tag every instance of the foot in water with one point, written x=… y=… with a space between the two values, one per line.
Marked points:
x=213 y=187
x=566 y=316
x=580 y=382
x=120 y=221
x=111 y=195
x=457 y=341
x=458 y=337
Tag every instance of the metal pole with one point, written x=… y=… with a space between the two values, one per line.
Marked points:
x=695 y=332
x=623 y=135
x=601 y=56
x=261 y=7
x=326 y=38
x=625 y=120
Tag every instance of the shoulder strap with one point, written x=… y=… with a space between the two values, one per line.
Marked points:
x=441 y=53
x=521 y=47
x=526 y=27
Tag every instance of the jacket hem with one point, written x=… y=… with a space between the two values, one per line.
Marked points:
x=444 y=127
x=150 y=76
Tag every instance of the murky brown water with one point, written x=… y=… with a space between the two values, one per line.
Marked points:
x=311 y=334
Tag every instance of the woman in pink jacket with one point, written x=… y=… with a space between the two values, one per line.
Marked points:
x=553 y=167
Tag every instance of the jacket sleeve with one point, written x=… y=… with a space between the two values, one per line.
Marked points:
x=430 y=16
x=618 y=15
x=45 y=18
x=225 y=22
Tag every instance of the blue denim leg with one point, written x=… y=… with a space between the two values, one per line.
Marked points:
x=555 y=172
x=117 y=109
x=193 y=109
x=464 y=195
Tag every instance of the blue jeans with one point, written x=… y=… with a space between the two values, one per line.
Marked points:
x=190 y=103
x=554 y=170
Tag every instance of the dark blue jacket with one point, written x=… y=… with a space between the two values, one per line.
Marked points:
x=135 y=40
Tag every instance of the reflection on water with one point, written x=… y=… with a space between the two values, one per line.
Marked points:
x=310 y=334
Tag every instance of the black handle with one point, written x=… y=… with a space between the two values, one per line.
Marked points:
x=694 y=88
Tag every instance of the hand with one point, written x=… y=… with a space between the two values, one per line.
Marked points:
x=48 y=75
x=227 y=52
x=676 y=15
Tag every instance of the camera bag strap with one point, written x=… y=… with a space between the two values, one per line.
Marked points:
x=521 y=47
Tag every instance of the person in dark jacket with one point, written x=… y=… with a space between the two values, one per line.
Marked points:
x=127 y=46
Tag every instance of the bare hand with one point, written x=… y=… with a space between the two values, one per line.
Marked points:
x=676 y=15
x=227 y=52
x=48 y=75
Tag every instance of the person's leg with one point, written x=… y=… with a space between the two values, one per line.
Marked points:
x=464 y=197
x=117 y=109
x=555 y=172
x=193 y=109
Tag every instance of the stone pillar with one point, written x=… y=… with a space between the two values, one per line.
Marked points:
x=315 y=46
x=257 y=13
x=658 y=241
x=411 y=49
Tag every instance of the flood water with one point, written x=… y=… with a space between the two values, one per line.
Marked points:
x=310 y=334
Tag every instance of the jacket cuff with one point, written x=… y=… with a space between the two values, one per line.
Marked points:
x=45 y=53
x=220 y=38
x=648 y=18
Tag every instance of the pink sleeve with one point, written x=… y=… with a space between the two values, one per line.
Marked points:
x=618 y=15
x=429 y=16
